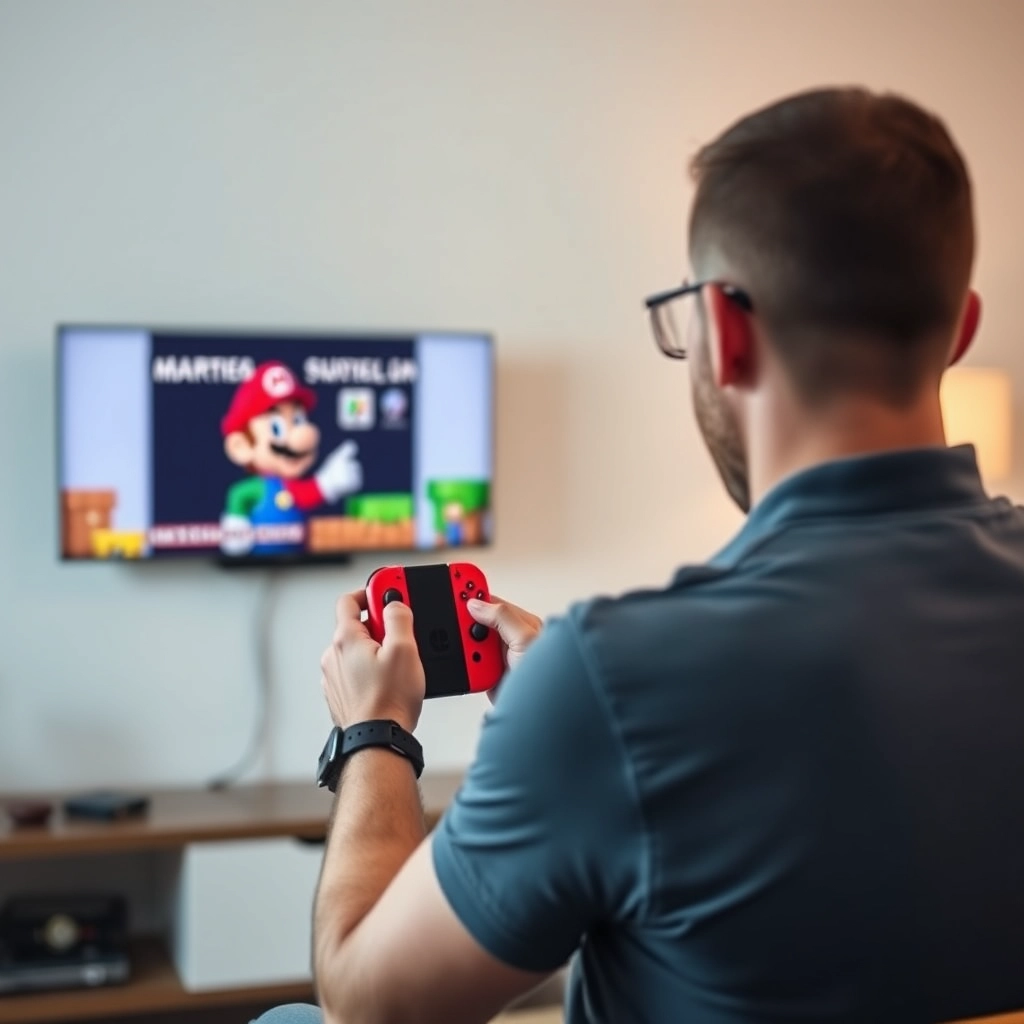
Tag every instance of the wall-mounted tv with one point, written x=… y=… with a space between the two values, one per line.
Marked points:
x=252 y=447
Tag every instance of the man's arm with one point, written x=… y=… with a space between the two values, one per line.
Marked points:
x=543 y=842
x=387 y=946
x=376 y=826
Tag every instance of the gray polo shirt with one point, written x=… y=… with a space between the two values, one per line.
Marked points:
x=789 y=786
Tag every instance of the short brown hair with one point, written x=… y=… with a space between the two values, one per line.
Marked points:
x=850 y=216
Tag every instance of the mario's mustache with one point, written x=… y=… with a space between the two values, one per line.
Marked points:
x=290 y=453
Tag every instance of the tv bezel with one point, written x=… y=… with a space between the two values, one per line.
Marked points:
x=301 y=560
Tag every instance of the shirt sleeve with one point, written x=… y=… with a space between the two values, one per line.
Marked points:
x=544 y=840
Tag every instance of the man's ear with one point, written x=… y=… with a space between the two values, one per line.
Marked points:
x=968 y=326
x=238 y=448
x=730 y=338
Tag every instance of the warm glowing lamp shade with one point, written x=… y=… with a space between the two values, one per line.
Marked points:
x=976 y=409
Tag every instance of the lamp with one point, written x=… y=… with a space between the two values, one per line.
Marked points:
x=976 y=409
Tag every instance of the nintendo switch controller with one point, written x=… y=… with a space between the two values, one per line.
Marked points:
x=459 y=654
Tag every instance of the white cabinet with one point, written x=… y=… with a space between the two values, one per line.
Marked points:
x=242 y=913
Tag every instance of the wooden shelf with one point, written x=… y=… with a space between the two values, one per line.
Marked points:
x=153 y=988
x=179 y=816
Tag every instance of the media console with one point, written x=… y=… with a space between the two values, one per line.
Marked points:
x=183 y=824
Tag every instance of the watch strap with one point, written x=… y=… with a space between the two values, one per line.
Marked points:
x=378 y=732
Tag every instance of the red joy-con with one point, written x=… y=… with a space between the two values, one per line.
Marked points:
x=444 y=591
x=391 y=577
x=485 y=664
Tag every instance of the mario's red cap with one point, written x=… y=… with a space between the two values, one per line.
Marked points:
x=270 y=384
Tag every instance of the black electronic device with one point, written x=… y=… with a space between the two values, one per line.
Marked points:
x=67 y=941
x=106 y=805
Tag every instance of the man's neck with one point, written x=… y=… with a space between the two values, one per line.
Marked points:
x=852 y=427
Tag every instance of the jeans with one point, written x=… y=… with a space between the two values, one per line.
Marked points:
x=294 y=1013
x=550 y=993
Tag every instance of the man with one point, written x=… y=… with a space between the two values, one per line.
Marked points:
x=787 y=786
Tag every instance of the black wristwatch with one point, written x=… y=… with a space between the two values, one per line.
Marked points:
x=380 y=732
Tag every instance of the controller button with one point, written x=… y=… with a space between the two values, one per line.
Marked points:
x=458 y=574
x=392 y=595
x=481 y=595
x=463 y=596
x=476 y=655
x=478 y=631
x=470 y=585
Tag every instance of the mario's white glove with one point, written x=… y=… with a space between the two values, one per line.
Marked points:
x=340 y=473
x=236 y=535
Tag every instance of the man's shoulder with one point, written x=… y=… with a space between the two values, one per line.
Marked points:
x=612 y=632
x=689 y=588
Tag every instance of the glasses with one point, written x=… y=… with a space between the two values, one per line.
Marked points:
x=673 y=318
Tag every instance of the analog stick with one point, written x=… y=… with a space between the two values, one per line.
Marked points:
x=478 y=631
x=392 y=595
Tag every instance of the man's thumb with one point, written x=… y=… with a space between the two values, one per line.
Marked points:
x=487 y=614
x=398 y=623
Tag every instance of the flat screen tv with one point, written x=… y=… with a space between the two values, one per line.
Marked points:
x=265 y=447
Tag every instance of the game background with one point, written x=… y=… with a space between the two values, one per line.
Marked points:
x=453 y=422
x=104 y=406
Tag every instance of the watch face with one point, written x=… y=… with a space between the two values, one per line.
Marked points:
x=328 y=756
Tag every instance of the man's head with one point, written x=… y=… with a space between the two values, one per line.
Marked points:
x=847 y=219
x=267 y=429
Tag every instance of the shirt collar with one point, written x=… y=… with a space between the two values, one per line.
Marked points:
x=917 y=478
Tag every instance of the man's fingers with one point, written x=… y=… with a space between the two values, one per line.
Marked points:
x=351 y=604
x=515 y=612
x=348 y=612
x=516 y=627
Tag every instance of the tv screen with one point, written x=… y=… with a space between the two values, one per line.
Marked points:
x=269 y=447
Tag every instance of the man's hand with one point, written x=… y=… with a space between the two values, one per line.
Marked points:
x=517 y=628
x=362 y=679
x=340 y=473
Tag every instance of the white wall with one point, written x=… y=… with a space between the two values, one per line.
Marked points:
x=399 y=164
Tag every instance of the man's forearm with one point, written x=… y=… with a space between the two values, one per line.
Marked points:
x=378 y=822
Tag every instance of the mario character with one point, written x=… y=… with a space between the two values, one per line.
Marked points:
x=268 y=432
x=452 y=515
